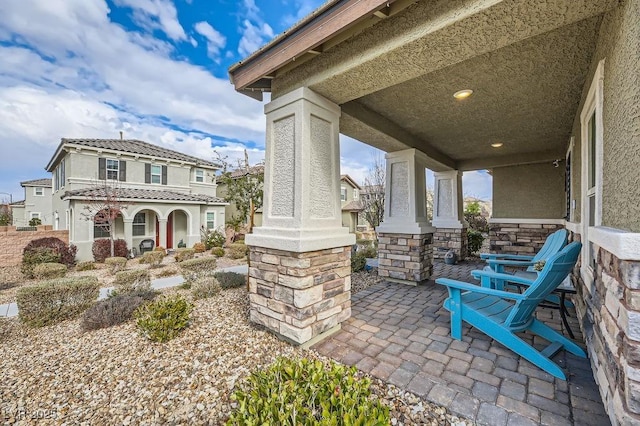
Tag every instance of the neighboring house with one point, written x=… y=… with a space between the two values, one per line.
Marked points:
x=366 y=194
x=230 y=210
x=168 y=195
x=36 y=203
x=350 y=202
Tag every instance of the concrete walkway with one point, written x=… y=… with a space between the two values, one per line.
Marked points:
x=11 y=309
x=400 y=334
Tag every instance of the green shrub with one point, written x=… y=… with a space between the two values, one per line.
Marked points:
x=35 y=221
x=475 y=240
x=169 y=272
x=116 y=263
x=162 y=320
x=304 y=392
x=194 y=269
x=217 y=251
x=87 y=265
x=212 y=238
x=199 y=248
x=358 y=262
x=230 y=279
x=56 y=300
x=183 y=254
x=49 y=271
x=37 y=256
x=115 y=310
x=152 y=258
x=205 y=287
x=369 y=252
x=131 y=281
x=237 y=250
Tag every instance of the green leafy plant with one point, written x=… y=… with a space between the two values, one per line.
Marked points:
x=35 y=221
x=163 y=319
x=132 y=281
x=217 y=251
x=230 y=279
x=369 y=252
x=36 y=256
x=115 y=310
x=86 y=265
x=205 y=287
x=56 y=300
x=305 y=392
x=46 y=250
x=116 y=264
x=212 y=238
x=183 y=254
x=358 y=262
x=237 y=250
x=474 y=240
x=48 y=271
x=152 y=258
x=193 y=269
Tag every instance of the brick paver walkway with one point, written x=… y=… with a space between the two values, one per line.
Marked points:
x=400 y=334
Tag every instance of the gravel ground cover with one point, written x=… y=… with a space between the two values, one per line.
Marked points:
x=62 y=375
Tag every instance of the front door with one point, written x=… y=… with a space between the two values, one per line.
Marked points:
x=170 y=231
x=157 y=232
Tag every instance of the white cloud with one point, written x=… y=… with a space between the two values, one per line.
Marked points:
x=215 y=40
x=254 y=35
x=156 y=15
x=302 y=9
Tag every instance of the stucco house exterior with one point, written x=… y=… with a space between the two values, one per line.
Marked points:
x=349 y=202
x=36 y=203
x=167 y=195
x=544 y=94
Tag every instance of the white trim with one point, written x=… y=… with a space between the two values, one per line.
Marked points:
x=572 y=201
x=575 y=227
x=528 y=221
x=35 y=191
x=31 y=215
x=623 y=244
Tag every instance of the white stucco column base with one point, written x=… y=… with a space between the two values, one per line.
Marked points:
x=128 y=233
x=300 y=279
x=162 y=233
x=405 y=236
x=448 y=215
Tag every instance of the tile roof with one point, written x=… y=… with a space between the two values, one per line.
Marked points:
x=142 y=194
x=134 y=146
x=17 y=203
x=37 y=182
x=238 y=173
x=352 y=206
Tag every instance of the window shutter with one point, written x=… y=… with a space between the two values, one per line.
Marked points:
x=164 y=175
x=123 y=170
x=102 y=168
x=147 y=173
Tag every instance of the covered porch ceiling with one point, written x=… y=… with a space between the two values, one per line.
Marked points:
x=395 y=74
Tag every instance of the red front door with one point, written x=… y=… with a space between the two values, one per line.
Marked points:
x=170 y=231
x=157 y=232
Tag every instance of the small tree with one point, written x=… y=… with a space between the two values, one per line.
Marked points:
x=373 y=196
x=5 y=215
x=104 y=206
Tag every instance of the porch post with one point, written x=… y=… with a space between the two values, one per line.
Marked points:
x=128 y=232
x=300 y=275
x=448 y=217
x=405 y=236
x=162 y=223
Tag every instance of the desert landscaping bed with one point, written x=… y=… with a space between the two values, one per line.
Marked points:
x=61 y=374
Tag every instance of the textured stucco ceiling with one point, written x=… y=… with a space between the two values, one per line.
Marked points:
x=525 y=96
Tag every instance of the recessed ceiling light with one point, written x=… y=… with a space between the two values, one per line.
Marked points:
x=463 y=94
x=496 y=144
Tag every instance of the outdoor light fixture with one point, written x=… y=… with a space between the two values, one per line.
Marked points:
x=463 y=94
x=497 y=144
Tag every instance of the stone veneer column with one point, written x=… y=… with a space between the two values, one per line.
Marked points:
x=405 y=236
x=448 y=217
x=300 y=279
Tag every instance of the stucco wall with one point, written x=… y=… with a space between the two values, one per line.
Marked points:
x=533 y=191
x=619 y=45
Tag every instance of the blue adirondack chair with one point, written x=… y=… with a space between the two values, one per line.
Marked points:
x=501 y=314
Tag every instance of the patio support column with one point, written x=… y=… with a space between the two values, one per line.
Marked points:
x=405 y=236
x=448 y=217
x=300 y=275
x=128 y=232
x=162 y=232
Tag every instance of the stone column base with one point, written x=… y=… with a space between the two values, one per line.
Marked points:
x=405 y=258
x=299 y=296
x=445 y=239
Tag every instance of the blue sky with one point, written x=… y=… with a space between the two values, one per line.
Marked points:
x=154 y=69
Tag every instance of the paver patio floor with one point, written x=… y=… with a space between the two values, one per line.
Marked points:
x=400 y=334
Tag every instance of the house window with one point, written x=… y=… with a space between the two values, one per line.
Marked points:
x=58 y=176
x=101 y=231
x=343 y=194
x=113 y=169
x=356 y=194
x=156 y=174
x=38 y=191
x=139 y=224
x=34 y=215
x=200 y=175
x=211 y=220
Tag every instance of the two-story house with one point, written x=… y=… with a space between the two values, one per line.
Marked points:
x=36 y=203
x=167 y=196
x=350 y=202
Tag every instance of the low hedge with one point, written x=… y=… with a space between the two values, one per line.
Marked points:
x=86 y=265
x=194 y=269
x=116 y=263
x=358 y=262
x=152 y=258
x=56 y=300
x=183 y=254
x=49 y=271
x=205 y=287
x=36 y=256
x=217 y=251
x=163 y=319
x=237 y=250
x=131 y=281
x=230 y=279
x=115 y=310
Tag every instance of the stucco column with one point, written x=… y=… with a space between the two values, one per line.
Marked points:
x=300 y=279
x=162 y=223
x=405 y=236
x=448 y=216
x=128 y=232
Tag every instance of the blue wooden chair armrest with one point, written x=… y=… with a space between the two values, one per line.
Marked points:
x=462 y=286
x=523 y=263
x=495 y=256
x=496 y=280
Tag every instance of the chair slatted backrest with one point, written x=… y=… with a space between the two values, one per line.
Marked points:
x=552 y=245
x=555 y=271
